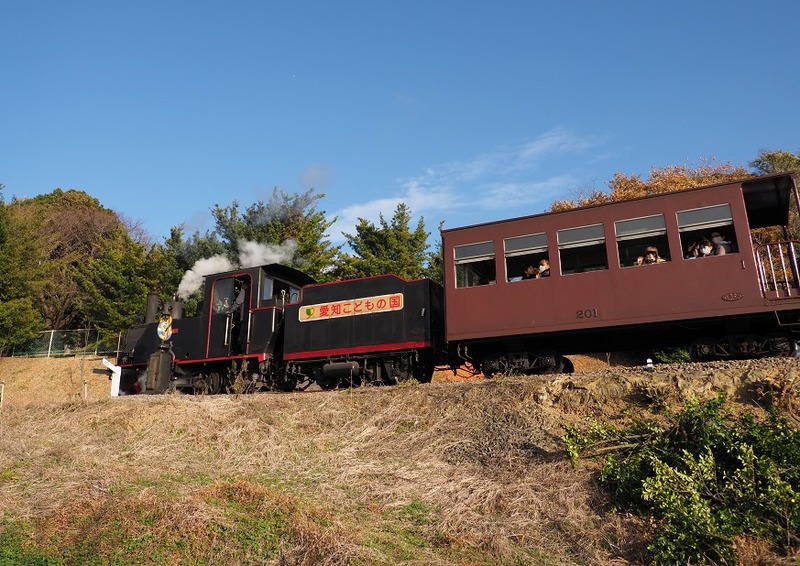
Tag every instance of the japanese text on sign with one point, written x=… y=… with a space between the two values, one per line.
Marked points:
x=352 y=307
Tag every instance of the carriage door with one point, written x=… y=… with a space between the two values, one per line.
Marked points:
x=220 y=329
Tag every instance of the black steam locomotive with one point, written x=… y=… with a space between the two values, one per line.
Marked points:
x=272 y=327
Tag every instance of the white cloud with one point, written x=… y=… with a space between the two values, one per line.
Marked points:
x=508 y=180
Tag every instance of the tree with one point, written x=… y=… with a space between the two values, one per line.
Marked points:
x=114 y=283
x=776 y=161
x=770 y=162
x=290 y=224
x=435 y=268
x=55 y=242
x=388 y=248
x=662 y=180
x=19 y=320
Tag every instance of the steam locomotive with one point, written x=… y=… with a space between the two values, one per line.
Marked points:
x=272 y=327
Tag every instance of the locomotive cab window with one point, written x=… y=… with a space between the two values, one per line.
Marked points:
x=522 y=251
x=707 y=227
x=474 y=264
x=223 y=297
x=582 y=249
x=279 y=291
x=642 y=238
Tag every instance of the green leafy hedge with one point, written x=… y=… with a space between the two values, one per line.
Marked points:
x=705 y=479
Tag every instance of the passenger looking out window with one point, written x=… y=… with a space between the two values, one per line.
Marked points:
x=522 y=255
x=544 y=268
x=721 y=245
x=703 y=248
x=710 y=226
x=650 y=257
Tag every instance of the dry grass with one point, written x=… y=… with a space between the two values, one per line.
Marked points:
x=445 y=473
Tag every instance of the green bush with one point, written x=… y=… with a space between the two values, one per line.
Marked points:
x=706 y=479
x=672 y=356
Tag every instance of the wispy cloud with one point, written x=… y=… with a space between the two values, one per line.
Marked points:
x=514 y=180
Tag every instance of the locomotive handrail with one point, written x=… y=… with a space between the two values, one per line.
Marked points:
x=777 y=267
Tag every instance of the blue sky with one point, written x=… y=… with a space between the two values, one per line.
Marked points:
x=466 y=111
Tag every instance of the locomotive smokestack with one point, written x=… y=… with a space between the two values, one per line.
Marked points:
x=151 y=314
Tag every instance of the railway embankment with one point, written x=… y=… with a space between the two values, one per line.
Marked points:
x=453 y=472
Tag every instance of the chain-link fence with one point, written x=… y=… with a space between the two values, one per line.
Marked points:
x=65 y=343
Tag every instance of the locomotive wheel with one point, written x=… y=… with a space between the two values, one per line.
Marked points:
x=780 y=344
x=210 y=384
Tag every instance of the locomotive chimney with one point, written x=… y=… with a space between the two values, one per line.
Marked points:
x=151 y=314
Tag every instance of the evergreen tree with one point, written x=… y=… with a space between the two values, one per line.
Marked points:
x=19 y=319
x=391 y=247
x=113 y=283
x=290 y=224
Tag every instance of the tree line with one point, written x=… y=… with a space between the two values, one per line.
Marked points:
x=68 y=262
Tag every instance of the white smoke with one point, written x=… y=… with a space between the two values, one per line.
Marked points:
x=193 y=279
x=251 y=254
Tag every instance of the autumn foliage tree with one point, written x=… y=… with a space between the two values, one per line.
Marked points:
x=769 y=161
x=661 y=180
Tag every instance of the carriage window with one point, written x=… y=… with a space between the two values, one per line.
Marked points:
x=582 y=249
x=523 y=251
x=698 y=225
x=474 y=264
x=637 y=236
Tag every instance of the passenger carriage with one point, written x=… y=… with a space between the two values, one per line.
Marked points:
x=597 y=299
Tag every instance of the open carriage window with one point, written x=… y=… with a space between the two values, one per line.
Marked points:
x=522 y=251
x=710 y=226
x=637 y=237
x=475 y=264
x=582 y=249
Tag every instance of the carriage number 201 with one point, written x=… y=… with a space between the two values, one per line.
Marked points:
x=586 y=313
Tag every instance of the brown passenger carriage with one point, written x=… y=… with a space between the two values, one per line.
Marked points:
x=596 y=298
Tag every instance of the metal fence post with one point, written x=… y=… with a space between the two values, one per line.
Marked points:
x=50 y=345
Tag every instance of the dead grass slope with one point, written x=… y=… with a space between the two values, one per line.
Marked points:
x=444 y=473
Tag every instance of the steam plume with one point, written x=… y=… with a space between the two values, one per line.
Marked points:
x=251 y=254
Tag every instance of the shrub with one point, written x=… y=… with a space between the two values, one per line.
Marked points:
x=705 y=480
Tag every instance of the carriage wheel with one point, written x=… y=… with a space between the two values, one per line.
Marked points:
x=703 y=349
x=780 y=344
x=551 y=362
